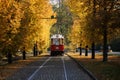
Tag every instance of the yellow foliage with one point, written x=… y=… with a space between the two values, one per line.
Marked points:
x=41 y=10
x=23 y=24
x=81 y=9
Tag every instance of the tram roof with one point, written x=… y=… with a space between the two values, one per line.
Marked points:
x=57 y=36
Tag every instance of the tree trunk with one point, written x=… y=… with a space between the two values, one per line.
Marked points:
x=105 y=34
x=80 y=49
x=105 y=55
x=9 y=56
x=86 y=51
x=93 y=50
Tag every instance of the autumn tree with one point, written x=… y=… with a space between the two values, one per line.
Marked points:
x=81 y=11
x=10 y=17
x=22 y=24
x=64 y=20
x=35 y=26
x=100 y=18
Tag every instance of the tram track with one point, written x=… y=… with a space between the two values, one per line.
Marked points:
x=65 y=73
x=64 y=68
x=40 y=67
x=30 y=78
x=52 y=68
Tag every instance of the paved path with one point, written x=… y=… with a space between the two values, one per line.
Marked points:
x=51 y=68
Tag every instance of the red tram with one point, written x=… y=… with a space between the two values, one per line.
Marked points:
x=57 y=45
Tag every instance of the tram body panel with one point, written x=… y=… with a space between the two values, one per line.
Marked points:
x=57 y=44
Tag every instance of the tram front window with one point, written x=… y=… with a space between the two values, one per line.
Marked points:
x=56 y=42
